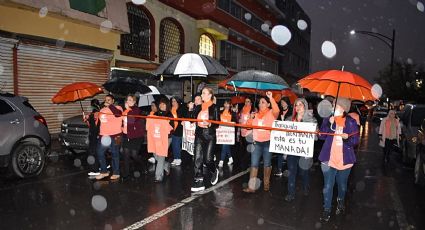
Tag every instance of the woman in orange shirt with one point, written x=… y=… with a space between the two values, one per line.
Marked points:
x=245 y=134
x=268 y=111
x=227 y=116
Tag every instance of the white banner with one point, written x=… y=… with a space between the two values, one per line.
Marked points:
x=293 y=143
x=225 y=135
x=188 y=139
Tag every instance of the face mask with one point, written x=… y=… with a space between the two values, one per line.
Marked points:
x=338 y=112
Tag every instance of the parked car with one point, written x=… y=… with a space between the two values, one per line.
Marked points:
x=24 y=137
x=411 y=121
x=420 y=156
x=74 y=135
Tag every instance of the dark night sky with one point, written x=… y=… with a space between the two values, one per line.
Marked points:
x=334 y=19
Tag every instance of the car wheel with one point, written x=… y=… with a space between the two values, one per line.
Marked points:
x=27 y=160
x=419 y=171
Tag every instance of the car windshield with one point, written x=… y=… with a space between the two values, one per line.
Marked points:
x=418 y=116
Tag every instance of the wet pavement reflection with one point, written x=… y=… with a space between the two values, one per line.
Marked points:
x=379 y=197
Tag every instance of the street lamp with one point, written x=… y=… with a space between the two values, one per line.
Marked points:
x=390 y=42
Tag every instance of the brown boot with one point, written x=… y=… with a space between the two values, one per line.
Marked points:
x=252 y=180
x=267 y=172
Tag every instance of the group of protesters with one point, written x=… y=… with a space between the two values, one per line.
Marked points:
x=123 y=132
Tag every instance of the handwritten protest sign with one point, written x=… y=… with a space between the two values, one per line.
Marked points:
x=293 y=143
x=188 y=139
x=225 y=135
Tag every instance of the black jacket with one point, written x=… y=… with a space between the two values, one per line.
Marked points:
x=181 y=113
x=214 y=115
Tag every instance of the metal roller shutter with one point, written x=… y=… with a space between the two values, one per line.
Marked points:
x=6 y=64
x=44 y=70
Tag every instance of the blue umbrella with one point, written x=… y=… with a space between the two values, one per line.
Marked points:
x=258 y=79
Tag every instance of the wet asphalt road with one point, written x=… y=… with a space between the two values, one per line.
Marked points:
x=64 y=198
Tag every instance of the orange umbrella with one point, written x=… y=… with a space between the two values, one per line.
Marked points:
x=76 y=92
x=338 y=83
x=277 y=94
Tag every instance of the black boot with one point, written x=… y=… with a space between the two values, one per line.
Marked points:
x=326 y=216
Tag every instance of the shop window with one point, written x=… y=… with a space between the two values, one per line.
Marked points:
x=88 y=6
x=170 y=39
x=206 y=45
x=138 y=42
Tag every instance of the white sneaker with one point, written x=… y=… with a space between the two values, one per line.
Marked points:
x=151 y=160
x=220 y=164
x=178 y=162
x=174 y=162
x=93 y=173
x=230 y=161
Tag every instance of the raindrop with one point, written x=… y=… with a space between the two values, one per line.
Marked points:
x=119 y=220
x=249 y=138
x=50 y=171
x=318 y=225
x=138 y=2
x=247 y=16
x=409 y=61
x=379 y=214
x=260 y=221
x=367 y=172
x=250 y=148
x=408 y=84
x=62 y=25
x=420 y=6
x=36 y=124
x=77 y=163
x=136 y=174
x=90 y=160
x=302 y=25
x=60 y=117
x=105 y=26
x=305 y=163
x=72 y=212
x=374 y=30
x=322 y=7
x=360 y=186
x=43 y=12
x=208 y=7
x=324 y=108
x=98 y=202
x=254 y=183
x=328 y=49
x=356 y=60
x=108 y=227
x=96 y=185
x=1 y=69
x=106 y=140
x=281 y=35
x=391 y=224
x=60 y=43
x=376 y=91
x=265 y=27
x=66 y=32
x=239 y=39
x=358 y=68
x=413 y=2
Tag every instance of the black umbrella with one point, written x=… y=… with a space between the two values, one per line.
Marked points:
x=126 y=85
x=191 y=65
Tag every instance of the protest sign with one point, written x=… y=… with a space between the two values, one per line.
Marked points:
x=225 y=135
x=293 y=143
x=188 y=139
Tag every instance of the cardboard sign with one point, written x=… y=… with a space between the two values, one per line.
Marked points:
x=225 y=135
x=293 y=143
x=188 y=139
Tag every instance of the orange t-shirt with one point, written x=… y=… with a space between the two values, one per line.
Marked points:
x=336 y=159
x=158 y=131
x=226 y=116
x=203 y=115
x=109 y=124
x=262 y=135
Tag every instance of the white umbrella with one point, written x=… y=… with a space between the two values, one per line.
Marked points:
x=147 y=98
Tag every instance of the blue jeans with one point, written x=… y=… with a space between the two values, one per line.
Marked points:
x=329 y=175
x=176 y=146
x=225 y=151
x=292 y=162
x=261 y=149
x=101 y=149
x=279 y=161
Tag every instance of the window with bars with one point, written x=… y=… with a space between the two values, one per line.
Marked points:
x=170 y=39
x=137 y=42
x=206 y=45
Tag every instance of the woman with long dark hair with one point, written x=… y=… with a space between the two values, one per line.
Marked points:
x=176 y=138
x=205 y=139
x=227 y=115
x=285 y=112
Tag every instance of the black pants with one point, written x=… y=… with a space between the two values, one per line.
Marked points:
x=131 y=152
x=92 y=152
x=389 y=148
x=204 y=152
